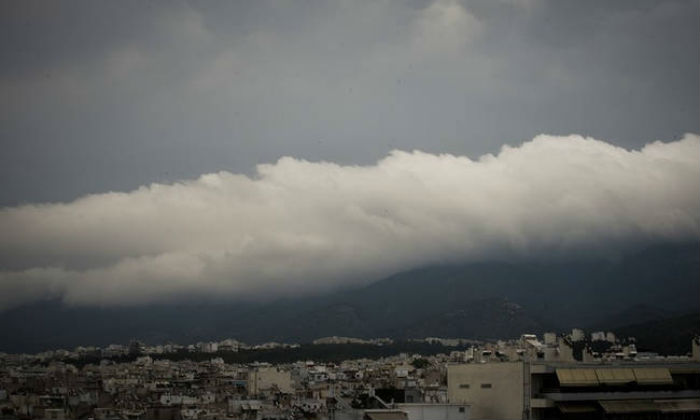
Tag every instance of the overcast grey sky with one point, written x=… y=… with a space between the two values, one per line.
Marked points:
x=101 y=96
x=161 y=150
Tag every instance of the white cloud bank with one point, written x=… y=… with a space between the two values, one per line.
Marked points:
x=299 y=227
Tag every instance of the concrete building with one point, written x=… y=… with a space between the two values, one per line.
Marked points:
x=494 y=390
x=229 y=345
x=598 y=336
x=577 y=335
x=559 y=390
x=550 y=339
x=208 y=347
x=269 y=379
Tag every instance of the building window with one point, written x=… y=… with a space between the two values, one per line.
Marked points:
x=486 y=385
x=461 y=409
x=464 y=386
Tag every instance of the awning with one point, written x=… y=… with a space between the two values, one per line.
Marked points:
x=684 y=369
x=577 y=377
x=576 y=408
x=629 y=406
x=678 y=406
x=615 y=376
x=653 y=376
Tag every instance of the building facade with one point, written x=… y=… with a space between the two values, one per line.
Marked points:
x=564 y=390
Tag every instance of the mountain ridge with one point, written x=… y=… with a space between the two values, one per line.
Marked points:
x=446 y=300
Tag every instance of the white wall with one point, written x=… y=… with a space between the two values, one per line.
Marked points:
x=502 y=400
x=263 y=379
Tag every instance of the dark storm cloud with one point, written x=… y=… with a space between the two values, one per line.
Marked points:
x=111 y=95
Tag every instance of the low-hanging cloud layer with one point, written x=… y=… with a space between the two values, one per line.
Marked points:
x=301 y=227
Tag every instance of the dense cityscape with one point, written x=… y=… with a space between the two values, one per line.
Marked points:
x=576 y=375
